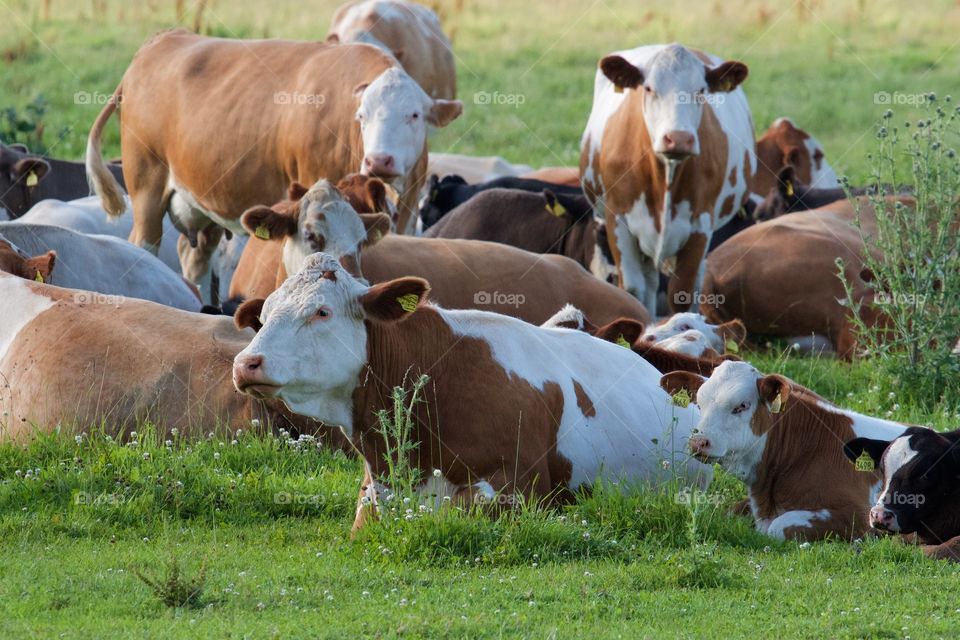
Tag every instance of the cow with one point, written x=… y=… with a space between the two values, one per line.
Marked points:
x=538 y=222
x=675 y=333
x=26 y=179
x=15 y=262
x=334 y=349
x=104 y=264
x=451 y=191
x=466 y=274
x=785 y=443
x=311 y=110
x=780 y=277
x=473 y=169
x=563 y=176
x=791 y=195
x=666 y=157
x=72 y=361
x=920 y=495
x=409 y=32
x=782 y=145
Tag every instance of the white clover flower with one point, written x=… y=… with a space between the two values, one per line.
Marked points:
x=216 y=455
x=437 y=473
x=174 y=432
x=365 y=500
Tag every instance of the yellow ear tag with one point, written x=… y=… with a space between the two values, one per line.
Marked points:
x=557 y=209
x=776 y=405
x=38 y=277
x=731 y=346
x=864 y=462
x=617 y=88
x=32 y=179
x=262 y=232
x=623 y=342
x=789 y=188
x=409 y=302
x=377 y=235
x=681 y=398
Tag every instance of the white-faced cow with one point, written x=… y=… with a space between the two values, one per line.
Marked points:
x=690 y=333
x=667 y=157
x=509 y=409
x=921 y=487
x=409 y=32
x=241 y=120
x=786 y=444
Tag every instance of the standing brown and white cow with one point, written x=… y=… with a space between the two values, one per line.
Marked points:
x=211 y=127
x=667 y=157
x=409 y=32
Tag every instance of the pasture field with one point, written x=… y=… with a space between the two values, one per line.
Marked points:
x=266 y=523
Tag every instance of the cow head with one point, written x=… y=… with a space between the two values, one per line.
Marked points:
x=394 y=113
x=318 y=219
x=675 y=84
x=783 y=198
x=312 y=343
x=20 y=172
x=786 y=145
x=719 y=337
x=921 y=482
x=16 y=262
x=440 y=198
x=737 y=406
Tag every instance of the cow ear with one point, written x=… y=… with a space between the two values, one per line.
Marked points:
x=727 y=76
x=398 y=54
x=333 y=38
x=677 y=381
x=40 y=268
x=359 y=89
x=248 y=314
x=443 y=112
x=394 y=300
x=30 y=170
x=17 y=146
x=296 y=191
x=266 y=224
x=733 y=334
x=774 y=391
x=621 y=73
x=377 y=226
x=377 y=195
x=792 y=155
x=622 y=331
x=553 y=204
x=874 y=448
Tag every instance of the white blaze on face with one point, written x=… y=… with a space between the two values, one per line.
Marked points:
x=681 y=322
x=691 y=342
x=897 y=455
x=728 y=401
x=326 y=223
x=822 y=175
x=313 y=342
x=674 y=102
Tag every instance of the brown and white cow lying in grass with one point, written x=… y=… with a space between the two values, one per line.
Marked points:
x=466 y=274
x=921 y=487
x=786 y=444
x=510 y=408
x=784 y=144
x=79 y=360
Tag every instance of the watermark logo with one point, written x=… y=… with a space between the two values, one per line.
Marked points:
x=900 y=98
x=497 y=297
x=499 y=99
x=715 y=99
x=900 y=299
x=87 y=499
x=92 y=297
x=698 y=299
x=287 y=497
x=692 y=497
x=904 y=499
x=296 y=98
x=96 y=98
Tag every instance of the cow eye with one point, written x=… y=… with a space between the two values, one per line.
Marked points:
x=684 y=327
x=647 y=89
x=323 y=313
x=415 y=116
x=740 y=408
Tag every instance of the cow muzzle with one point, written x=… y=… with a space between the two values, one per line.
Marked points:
x=677 y=145
x=699 y=447
x=883 y=519
x=380 y=165
x=249 y=377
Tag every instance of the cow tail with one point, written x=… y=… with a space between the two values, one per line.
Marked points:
x=101 y=180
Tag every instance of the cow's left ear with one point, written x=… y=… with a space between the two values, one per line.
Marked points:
x=377 y=195
x=677 y=381
x=394 y=300
x=774 y=391
x=621 y=73
x=248 y=314
x=874 y=448
x=30 y=170
x=443 y=112
x=727 y=76
x=40 y=268
x=622 y=331
x=732 y=334
x=377 y=226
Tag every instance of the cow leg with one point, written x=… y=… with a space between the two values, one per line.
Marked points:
x=407 y=210
x=684 y=287
x=146 y=178
x=634 y=266
x=949 y=550
x=366 y=501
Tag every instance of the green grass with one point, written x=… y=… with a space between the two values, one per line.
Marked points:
x=270 y=522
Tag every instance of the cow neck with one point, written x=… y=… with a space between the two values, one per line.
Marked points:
x=803 y=456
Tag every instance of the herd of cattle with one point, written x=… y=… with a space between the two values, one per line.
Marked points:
x=289 y=184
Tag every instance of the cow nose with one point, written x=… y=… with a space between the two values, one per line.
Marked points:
x=249 y=364
x=678 y=143
x=881 y=518
x=381 y=165
x=699 y=445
